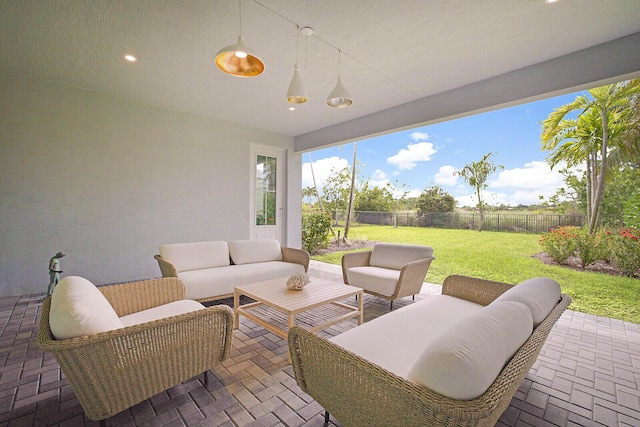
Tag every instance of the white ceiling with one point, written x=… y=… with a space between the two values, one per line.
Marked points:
x=394 y=51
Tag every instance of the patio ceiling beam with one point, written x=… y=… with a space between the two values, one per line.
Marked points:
x=605 y=63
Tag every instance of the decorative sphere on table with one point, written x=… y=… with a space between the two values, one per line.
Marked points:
x=297 y=281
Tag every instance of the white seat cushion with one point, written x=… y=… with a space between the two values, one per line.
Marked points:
x=212 y=282
x=382 y=281
x=465 y=359
x=540 y=294
x=394 y=255
x=196 y=255
x=78 y=308
x=394 y=341
x=167 y=310
x=250 y=251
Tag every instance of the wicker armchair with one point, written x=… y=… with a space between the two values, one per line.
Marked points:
x=112 y=371
x=360 y=393
x=411 y=273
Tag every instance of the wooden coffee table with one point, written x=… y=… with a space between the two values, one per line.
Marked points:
x=315 y=307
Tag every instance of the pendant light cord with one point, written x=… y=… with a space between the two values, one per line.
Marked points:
x=408 y=90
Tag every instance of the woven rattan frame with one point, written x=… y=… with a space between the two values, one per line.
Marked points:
x=296 y=256
x=411 y=277
x=359 y=393
x=112 y=371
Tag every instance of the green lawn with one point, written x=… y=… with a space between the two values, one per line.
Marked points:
x=508 y=257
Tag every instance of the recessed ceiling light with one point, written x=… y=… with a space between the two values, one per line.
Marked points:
x=550 y=1
x=292 y=108
x=130 y=58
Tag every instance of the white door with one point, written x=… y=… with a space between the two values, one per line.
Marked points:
x=267 y=175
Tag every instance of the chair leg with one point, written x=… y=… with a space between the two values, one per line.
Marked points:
x=326 y=417
x=391 y=308
x=413 y=297
x=206 y=379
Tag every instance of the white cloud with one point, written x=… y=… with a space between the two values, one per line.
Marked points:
x=488 y=197
x=321 y=170
x=525 y=185
x=518 y=186
x=411 y=193
x=533 y=176
x=446 y=176
x=420 y=136
x=378 y=179
x=408 y=158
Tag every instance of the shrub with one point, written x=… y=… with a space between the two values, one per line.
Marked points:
x=589 y=247
x=631 y=211
x=315 y=230
x=559 y=243
x=625 y=250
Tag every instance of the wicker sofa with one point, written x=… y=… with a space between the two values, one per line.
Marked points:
x=389 y=270
x=118 y=345
x=211 y=270
x=404 y=367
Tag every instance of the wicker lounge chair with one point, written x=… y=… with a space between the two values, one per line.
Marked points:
x=112 y=371
x=360 y=393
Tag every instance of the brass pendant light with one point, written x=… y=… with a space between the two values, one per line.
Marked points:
x=238 y=59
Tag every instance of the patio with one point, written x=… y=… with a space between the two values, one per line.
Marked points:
x=588 y=374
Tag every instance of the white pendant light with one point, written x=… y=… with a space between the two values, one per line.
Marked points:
x=296 y=94
x=238 y=59
x=339 y=96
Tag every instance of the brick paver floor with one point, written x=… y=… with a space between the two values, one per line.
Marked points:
x=588 y=374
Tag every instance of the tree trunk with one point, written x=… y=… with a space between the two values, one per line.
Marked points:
x=480 y=209
x=351 y=193
x=589 y=182
x=599 y=193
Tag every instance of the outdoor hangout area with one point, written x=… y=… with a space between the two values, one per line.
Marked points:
x=587 y=373
x=279 y=213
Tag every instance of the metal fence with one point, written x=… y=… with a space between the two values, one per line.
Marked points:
x=507 y=222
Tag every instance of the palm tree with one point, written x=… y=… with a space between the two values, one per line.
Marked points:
x=599 y=135
x=476 y=175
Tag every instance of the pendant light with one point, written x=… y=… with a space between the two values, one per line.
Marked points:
x=339 y=96
x=238 y=59
x=297 y=93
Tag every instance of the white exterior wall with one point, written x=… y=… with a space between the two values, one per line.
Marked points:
x=107 y=180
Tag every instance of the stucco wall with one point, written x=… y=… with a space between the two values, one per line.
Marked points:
x=108 y=180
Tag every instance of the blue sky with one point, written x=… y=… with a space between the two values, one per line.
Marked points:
x=428 y=155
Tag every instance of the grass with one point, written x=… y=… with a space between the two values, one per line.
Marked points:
x=508 y=257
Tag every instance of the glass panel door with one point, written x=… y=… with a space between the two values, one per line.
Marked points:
x=266 y=190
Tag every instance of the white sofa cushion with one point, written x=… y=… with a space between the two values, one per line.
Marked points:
x=540 y=294
x=167 y=310
x=250 y=251
x=394 y=341
x=78 y=308
x=394 y=255
x=196 y=255
x=201 y=284
x=465 y=359
x=382 y=281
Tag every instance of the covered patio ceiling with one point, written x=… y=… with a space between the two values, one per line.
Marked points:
x=405 y=62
